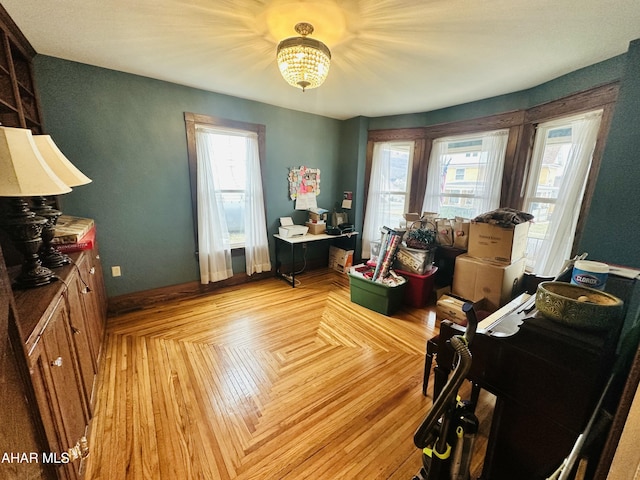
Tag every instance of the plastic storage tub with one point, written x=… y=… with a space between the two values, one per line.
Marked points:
x=376 y=296
x=419 y=287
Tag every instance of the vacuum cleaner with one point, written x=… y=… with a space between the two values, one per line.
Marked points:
x=447 y=434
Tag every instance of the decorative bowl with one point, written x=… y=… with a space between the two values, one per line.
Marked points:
x=577 y=306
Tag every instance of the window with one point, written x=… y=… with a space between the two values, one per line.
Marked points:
x=389 y=186
x=228 y=153
x=454 y=174
x=465 y=174
x=226 y=188
x=558 y=173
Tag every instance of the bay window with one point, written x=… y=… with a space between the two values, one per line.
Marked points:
x=543 y=160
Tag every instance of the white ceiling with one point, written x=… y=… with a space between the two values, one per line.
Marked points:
x=389 y=56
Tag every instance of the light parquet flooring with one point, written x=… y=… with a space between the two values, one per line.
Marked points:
x=261 y=381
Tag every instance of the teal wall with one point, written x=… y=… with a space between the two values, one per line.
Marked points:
x=613 y=225
x=612 y=218
x=127 y=133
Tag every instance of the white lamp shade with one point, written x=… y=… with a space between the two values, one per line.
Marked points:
x=60 y=165
x=23 y=171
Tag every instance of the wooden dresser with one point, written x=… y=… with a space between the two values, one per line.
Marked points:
x=55 y=336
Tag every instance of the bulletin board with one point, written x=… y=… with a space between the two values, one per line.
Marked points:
x=304 y=186
x=303 y=180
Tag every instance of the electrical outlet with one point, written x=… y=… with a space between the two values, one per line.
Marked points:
x=115 y=271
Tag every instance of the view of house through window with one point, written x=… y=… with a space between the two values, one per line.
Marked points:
x=558 y=174
x=465 y=174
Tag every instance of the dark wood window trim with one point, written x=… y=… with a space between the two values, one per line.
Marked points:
x=522 y=126
x=193 y=119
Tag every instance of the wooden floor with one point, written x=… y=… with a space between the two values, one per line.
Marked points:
x=262 y=381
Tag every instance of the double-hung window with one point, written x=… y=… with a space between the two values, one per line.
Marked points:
x=226 y=183
x=389 y=186
x=227 y=150
x=464 y=177
x=558 y=172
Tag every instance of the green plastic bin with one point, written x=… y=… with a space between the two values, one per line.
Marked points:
x=376 y=296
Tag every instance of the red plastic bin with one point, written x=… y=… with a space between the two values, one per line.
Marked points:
x=418 y=288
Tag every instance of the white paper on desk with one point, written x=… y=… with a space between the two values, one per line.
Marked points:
x=305 y=201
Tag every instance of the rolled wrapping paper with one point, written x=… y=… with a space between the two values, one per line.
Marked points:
x=389 y=254
x=390 y=242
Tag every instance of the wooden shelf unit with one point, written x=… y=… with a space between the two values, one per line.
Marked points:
x=19 y=102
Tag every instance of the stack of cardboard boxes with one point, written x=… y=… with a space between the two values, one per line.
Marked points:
x=339 y=259
x=493 y=267
x=317 y=223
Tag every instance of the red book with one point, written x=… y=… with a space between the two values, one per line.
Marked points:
x=86 y=242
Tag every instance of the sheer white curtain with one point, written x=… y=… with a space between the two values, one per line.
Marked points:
x=213 y=233
x=379 y=208
x=256 y=246
x=558 y=240
x=494 y=146
x=435 y=177
x=214 y=246
x=487 y=185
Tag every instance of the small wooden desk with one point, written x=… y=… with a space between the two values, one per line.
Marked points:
x=299 y=240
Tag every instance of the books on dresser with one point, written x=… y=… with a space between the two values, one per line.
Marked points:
x=71 y=229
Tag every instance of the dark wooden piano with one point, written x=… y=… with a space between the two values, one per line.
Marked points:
x=547 y=379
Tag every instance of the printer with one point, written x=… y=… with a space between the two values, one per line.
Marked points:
x=288 y=229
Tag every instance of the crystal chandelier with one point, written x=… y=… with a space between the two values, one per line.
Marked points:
x=304 y=62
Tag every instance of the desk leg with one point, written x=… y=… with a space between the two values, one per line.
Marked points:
x=278 y=272
x=293 y=266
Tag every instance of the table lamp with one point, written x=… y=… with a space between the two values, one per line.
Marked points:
x=26 y=174
x=50 y=256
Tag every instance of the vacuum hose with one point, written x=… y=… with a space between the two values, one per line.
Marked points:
x=449 y=392
x=447 y=397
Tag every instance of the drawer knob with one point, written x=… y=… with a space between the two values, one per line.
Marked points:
x=57 y=362
x=92 y=270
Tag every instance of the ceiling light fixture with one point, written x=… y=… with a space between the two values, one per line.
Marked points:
x=304 y=62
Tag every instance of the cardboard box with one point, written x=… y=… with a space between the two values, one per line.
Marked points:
x=316 y=228
x=498 y=244
x=475 y=279
x=339 y=259
x=414 y=260
x=440 y=291
x=449 y=307
x=317 y=217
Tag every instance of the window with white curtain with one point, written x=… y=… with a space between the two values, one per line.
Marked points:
x=464 y=177
x=555 y=186
x=226 y=179
x=389 y=187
